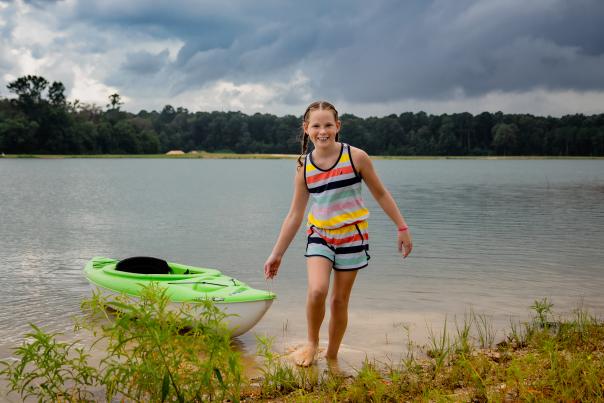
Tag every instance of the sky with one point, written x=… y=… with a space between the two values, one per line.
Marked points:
x=369 y=58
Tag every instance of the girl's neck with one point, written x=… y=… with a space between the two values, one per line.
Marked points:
x=326 y=153
x=325 y=158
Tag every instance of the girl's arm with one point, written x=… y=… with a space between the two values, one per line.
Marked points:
x=365 y=168
x=290 y=226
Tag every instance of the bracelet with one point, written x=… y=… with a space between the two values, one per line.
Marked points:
x=403 y=229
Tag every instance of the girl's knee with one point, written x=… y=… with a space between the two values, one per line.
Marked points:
x=317 y=295
x=339 y=303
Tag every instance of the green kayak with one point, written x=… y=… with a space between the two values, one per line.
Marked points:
x=183 y=284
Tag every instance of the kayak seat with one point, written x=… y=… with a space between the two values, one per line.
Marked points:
x=143 y=265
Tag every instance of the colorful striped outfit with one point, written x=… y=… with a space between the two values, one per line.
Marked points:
x=337 y=221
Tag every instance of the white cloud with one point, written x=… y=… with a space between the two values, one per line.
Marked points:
x=284 y=97
x=89 y=90
x=31 y=30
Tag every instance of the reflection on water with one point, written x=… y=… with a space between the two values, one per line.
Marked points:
x=490 y=236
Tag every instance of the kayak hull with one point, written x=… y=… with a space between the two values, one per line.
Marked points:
x=244 y=305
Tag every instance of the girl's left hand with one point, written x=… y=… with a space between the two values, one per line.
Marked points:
x=405 y=245
x=271 y=267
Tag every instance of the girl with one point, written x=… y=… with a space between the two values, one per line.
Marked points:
x=337 y=224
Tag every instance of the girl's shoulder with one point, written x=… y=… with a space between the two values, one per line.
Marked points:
x=358 y=154
x=360 y=159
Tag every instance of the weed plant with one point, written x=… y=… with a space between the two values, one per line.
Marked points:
x=154 y=353
x=280 y=377
x=485 y=330
x=50 y=370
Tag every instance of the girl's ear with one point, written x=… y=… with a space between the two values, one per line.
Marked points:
x=305 y=126
x=338 y=125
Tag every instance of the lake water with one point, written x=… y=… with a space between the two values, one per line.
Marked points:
x=490 y=236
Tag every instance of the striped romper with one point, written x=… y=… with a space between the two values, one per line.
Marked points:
x=337 y=221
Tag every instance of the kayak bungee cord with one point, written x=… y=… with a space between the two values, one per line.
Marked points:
x=199 y=282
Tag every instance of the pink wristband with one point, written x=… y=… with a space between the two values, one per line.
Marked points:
x=403 y=229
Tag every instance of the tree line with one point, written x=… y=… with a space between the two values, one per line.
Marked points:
x=38 y=119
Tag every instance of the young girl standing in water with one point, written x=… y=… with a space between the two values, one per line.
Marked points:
x=337 y=224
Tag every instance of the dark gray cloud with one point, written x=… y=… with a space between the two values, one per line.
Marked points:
x=474 y=51
x=355 y=51
x=383 y=50
x=145 y=62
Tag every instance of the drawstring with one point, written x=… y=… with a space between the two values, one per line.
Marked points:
x=366 y=246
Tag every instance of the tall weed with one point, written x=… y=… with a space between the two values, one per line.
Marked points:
x=153 y=353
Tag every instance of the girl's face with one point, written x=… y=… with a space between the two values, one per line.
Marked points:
x=322 y=128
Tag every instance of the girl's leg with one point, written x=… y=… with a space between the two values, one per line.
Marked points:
x=340 y=295
x=319 y=270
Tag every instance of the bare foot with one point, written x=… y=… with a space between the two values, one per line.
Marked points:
x=333 y=365
x=306 y=355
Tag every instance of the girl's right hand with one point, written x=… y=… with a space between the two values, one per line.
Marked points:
x=271 y=267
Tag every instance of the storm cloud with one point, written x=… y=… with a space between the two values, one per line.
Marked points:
x=370 y=56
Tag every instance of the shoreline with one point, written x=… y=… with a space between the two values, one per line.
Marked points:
x=207 y=155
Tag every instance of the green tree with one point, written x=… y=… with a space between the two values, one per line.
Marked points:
x=423 y=141
x=115 y=101
x=18 y=135
x=505 y=137
x=597 y=142
x=483 y=125
x=29 y=89
x=448 y=142
x=353 y=130
x=56 y=94
x=167 y=114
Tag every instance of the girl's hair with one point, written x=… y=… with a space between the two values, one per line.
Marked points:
x=317 y=105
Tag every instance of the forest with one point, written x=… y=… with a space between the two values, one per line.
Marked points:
x=38 y=119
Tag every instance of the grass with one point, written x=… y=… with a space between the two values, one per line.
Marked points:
x=548 y=358
x=155 y=356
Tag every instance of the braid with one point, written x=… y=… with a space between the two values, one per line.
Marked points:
x=304 y=141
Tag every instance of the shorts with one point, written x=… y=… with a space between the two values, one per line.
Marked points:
x=346 y=246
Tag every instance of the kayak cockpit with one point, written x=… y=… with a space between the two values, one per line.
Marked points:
x=152 y=268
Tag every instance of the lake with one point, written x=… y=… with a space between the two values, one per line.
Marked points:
x=490 y=236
